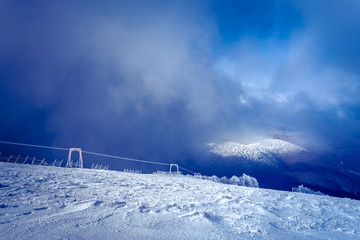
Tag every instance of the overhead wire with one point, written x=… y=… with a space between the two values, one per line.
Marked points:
x=94 y=153
x=33 y=145
x=125 y=158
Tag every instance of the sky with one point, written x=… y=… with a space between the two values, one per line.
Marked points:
x=158 y=80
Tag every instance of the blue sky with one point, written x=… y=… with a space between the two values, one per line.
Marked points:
x=159 y=79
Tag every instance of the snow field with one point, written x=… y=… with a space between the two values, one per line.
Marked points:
x=38 y=202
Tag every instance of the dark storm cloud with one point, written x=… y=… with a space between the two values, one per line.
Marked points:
x=120 y=77
x=157 y=80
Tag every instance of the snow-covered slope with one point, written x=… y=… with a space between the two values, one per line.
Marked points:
x=39 y=202
x=266 y=151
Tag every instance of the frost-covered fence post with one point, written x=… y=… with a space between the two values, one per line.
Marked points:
x=33 y=161
x=17 y=158
x=54 y=162
x=174 y=165
x=42 y=161
x=197 y=175
x=61 y=162
x=25 y=159
x=9 y=158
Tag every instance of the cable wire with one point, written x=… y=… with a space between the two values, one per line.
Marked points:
x=125 y=158
x=94 y=153
x=33 y=145
x=88 y=152
x=187 y=170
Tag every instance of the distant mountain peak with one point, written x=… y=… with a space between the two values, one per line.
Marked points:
x=266 y=151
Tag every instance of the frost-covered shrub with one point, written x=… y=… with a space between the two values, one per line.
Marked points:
x=244 y=180
x=303 y=189
x=214 y=178
x=248 y=181
x=224 y=180
x=235 y=180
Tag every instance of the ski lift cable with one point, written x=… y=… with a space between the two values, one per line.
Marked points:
x=88 y=152
x=33 y=145
x=187 y=170
x=125 y=158
x=94 y=153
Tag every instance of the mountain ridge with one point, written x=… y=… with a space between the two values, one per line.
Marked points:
x=267 y=151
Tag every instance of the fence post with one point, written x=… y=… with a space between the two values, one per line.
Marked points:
x=25 y=159
x=33 y=161
x=54 y=162
x=9 y=158
x=42 y=161
x=17 y=158
x=61 y=162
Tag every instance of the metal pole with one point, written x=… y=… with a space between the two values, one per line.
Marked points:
x=17 y=158
x=61 y=162
x=54 y=162
x=81 y=164
x=42 y=161
x=69 y=162
x=9 y=158
x=33 y=161
x=25 y=159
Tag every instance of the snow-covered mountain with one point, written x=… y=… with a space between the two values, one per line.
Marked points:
x=290 y=164
x=267 y=151
x=38 y=202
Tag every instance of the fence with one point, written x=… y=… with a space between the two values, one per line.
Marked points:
x=23 y=160
x=79 y=164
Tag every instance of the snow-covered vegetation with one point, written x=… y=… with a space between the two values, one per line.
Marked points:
x=303 y=189
x=244 y=180
x=42 y=202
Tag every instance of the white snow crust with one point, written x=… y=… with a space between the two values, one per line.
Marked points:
x=266 y=151
x=39 y=202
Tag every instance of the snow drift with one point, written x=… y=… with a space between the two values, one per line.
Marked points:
x=39 y=202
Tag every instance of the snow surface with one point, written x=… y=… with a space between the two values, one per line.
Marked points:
x=39 y=202
x=266 y=151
